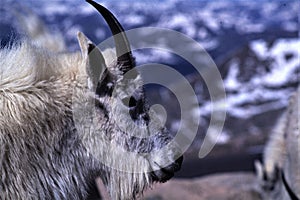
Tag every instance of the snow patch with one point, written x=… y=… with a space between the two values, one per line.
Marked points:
x=231 y=81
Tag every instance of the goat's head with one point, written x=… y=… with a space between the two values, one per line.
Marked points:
x=125 y=135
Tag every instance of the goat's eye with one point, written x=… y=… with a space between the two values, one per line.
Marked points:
x=129 y=101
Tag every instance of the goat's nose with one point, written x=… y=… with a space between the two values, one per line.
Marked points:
x=166 y=173
x=175 y=166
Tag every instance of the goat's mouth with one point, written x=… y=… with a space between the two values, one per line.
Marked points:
x=164 y=174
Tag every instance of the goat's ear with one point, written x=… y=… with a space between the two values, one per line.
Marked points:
x=95 y=63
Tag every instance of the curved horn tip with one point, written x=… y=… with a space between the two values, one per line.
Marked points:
x=123 y=50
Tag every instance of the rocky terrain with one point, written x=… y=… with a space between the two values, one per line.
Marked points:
x=235 y=186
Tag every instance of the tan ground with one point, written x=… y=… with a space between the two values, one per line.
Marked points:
x=230 y=186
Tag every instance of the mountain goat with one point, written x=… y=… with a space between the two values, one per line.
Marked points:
x=279 y=176
x=67 y=118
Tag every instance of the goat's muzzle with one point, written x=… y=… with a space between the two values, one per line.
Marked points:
x=166 y=173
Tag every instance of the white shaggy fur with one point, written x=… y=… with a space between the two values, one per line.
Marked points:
x=282 y=152
x=53 y=141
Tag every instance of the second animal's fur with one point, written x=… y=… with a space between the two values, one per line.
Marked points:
x=279 y=176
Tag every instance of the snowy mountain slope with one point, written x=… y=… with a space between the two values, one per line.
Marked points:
x=259 y=79
x=208 y=22
x=253 y=80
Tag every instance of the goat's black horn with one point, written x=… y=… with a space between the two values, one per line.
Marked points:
x=124 y=55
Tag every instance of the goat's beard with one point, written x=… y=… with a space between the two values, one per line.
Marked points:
x=125 y=174
x=127 y=185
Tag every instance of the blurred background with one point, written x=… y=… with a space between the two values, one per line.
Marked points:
x=255 y=45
